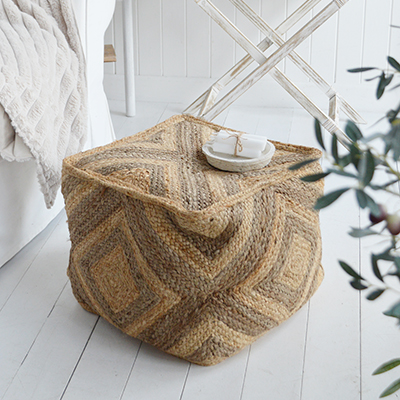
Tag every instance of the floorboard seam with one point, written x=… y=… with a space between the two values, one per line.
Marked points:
x=162 y=113
x=40 y=330
x=131 y=370
x=79 y=359
x=55 y=303
x=359 y=307
x=184 y=382
x=245 y=373
x=305 y=351
x=33 y=260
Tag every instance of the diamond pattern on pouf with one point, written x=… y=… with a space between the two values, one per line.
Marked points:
x=195 y=261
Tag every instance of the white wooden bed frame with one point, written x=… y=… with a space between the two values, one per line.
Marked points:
x=23 y=213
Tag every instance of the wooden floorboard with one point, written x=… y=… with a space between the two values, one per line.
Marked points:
x=333 y=338
x=276 y=361
x=156 y=375
x=16 y=268
x=104 y=368
x=380 y=339
x=24 y=316
x=50 y=348
x=51 y=360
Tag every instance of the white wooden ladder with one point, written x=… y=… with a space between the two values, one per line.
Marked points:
x=207 y=106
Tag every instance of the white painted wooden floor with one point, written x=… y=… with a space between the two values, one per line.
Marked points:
x=50 y=348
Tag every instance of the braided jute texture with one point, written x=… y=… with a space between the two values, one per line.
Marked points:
x=195 y=261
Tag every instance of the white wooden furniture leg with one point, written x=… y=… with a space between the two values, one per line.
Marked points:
x=276 y=57
x=129 y=66
x=222 y=82
x=329 y=122
x=206 y=104
x=298 y=60
x=247 y=60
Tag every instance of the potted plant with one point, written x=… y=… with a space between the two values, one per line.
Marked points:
x=358 y=163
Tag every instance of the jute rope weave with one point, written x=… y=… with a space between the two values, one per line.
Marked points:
x=195 y=261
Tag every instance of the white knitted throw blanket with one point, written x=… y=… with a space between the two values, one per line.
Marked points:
x=42 y=83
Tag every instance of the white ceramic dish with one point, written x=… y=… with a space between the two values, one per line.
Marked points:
x=226 y=162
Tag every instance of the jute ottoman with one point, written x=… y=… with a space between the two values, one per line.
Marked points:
x=193 y=260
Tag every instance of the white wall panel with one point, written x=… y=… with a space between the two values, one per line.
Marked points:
x=395 y=31
x=222 y=46
x=273 y=13
x=150 y=40
x=323 y=46
x=350 y=41
x=118 y=35
x=175 y=38
x=198 y=42
x=247 y=28
x=376 y=41
x=304 y=48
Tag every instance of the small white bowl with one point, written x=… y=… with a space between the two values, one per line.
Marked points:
x=231 y=163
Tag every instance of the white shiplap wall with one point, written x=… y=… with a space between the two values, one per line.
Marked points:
x=176 y=39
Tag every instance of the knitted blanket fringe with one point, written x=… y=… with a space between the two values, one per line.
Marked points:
x=43 y=83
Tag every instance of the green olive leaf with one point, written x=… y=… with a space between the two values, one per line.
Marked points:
x=318 y=133
x=394 y=63
x=387 y=366
x=375 y=294
x=329 y=198
x=394 y=387
x=352 y=131
x=346 y=267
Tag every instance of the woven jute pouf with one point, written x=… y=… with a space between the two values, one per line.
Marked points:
x=193 y=260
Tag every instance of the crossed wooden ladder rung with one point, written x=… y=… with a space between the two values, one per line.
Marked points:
x=207 y=106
